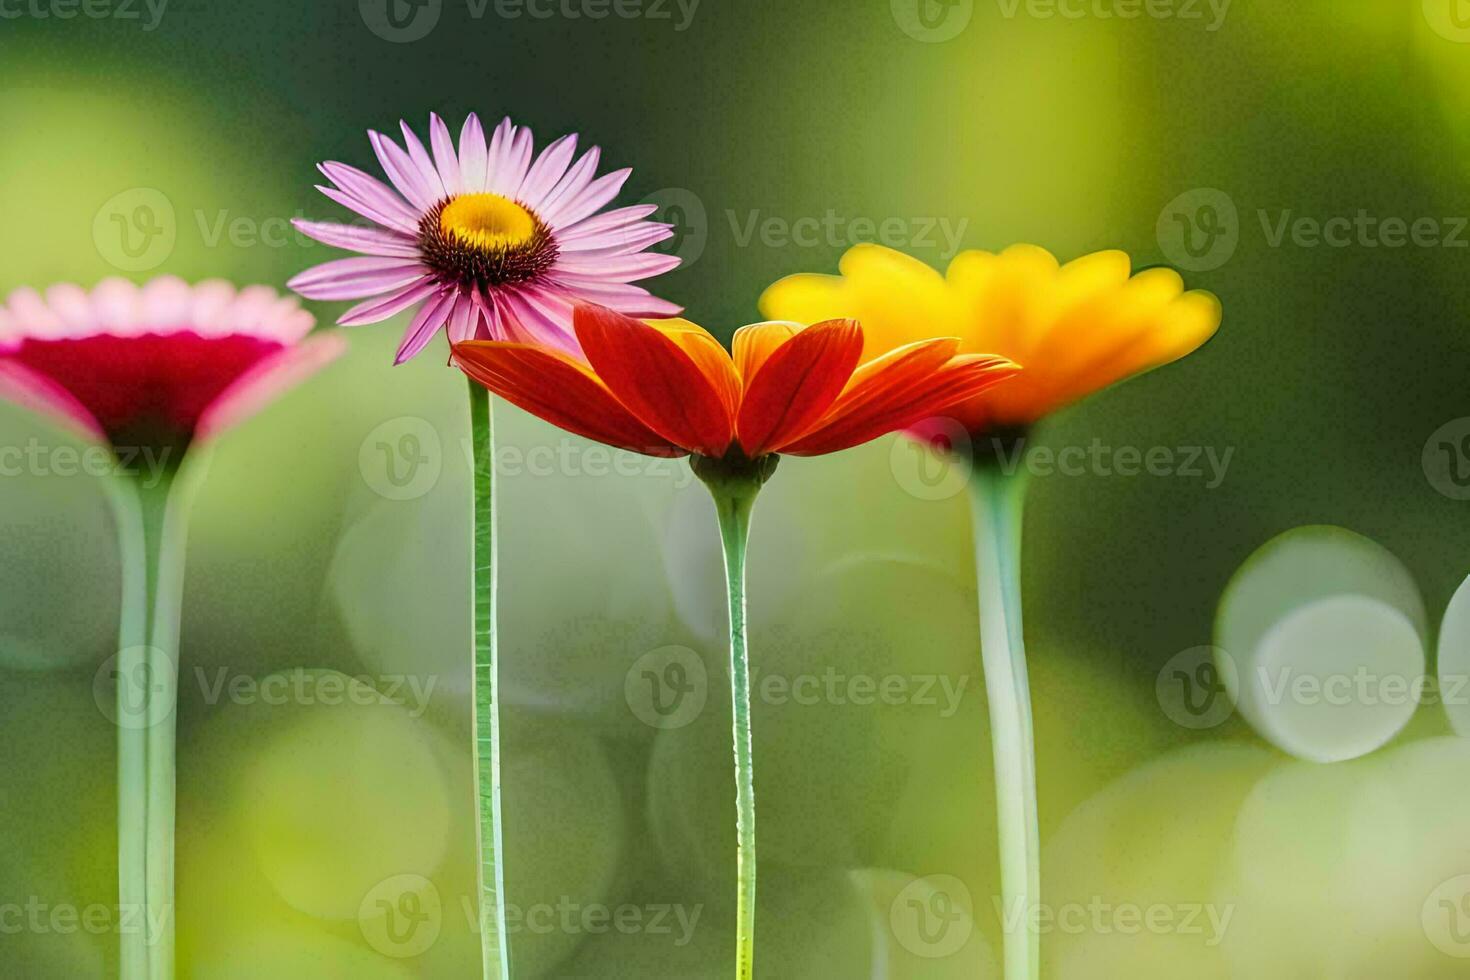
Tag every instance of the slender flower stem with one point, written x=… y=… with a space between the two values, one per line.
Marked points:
x=131 y=670
x=152 y=525
x=734 y=497
x=494 y=947
x=997 y=498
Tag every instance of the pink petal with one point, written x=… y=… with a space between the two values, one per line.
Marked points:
x=402 y=171
x=499 y=155
x=541 y=318
x=371 y=198
x=427 y=323
x=472 y=155
x=463 y=319
x=628 y=300
x=165 y=300
x=208 y=305
x=508 y=179
x=286 y=321
x=38 y=393
x=606 y=221
x=626 y=268
x=633 y=238
x=353 y=204
x=444 y=159
x=116 y=307
x=369 y=241
x=267 y=381
x=383 y=307
x=576 y=179
x=356 y=278
x=598 y=193
x=549 y=168
x=423 y=162
x=33 y=316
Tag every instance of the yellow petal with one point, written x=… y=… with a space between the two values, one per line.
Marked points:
x=807 y=298
x=897 y=298
x=754 y=344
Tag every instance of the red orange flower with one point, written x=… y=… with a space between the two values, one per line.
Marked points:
x=668 y=388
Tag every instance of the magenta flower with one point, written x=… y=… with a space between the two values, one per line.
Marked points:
x=486 y=242
x=164 y=364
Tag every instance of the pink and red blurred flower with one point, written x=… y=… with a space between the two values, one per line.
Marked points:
x=164 y=364
x=485 y=241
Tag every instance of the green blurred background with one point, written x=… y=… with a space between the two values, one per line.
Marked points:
x=332 y=532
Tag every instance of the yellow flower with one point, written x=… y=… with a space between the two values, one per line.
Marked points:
x=1074 y=329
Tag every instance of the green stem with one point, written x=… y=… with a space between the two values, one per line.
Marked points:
x=494 y=947
x=734 y=499
x=152 y=524
x=132 y=736
x=997 y=499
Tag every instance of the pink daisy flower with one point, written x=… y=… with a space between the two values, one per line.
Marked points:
x=164 y=364
x=485 y=241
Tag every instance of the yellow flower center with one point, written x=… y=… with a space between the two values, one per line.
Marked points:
x=487 y=221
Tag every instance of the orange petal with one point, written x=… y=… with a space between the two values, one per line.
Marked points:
x=655 y=379
x=552 y=386
x=708 y=355
x=758 y=341
x=885 y=381
x=797 y=384
x=899 y=396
